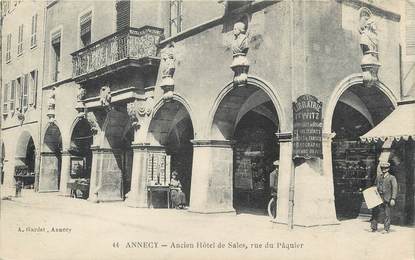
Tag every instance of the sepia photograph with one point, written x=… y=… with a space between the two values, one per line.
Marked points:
x=207 y=129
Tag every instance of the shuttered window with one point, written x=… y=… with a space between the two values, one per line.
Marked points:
x=25 y=92
x=56 y=56
x=410 y=27
x=6 y=98
x=12 y=96
x=19 y=83
x=20 y=41
x=33 y=37
x=33 y=88
x=123 y=14
x=8 y=47
x=176 y=16
x=85 y=28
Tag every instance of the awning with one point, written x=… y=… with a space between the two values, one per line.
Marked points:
x=400 y=124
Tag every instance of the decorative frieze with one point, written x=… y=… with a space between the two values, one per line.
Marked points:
x=240 y=47
x=369 y=44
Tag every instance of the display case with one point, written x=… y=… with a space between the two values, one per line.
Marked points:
x=354 y=169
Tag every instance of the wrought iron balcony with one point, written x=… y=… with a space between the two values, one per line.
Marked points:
x=129 y=47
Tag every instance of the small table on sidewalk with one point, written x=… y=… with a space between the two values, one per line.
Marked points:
x=159 y=188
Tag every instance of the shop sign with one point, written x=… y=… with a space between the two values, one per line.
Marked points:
x=307 y=128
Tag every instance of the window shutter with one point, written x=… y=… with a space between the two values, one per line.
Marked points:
x=123 y=14
x=33 y=88
x=410 y=28
x=5 y=98
x=12 y=96
x=19 y=93
x=25 y=91
x=56 y=38
x=85 y=23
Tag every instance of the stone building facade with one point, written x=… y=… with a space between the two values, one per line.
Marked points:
x=137 y=89
x=22 y=68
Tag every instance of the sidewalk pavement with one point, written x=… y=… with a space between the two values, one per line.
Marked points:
x=101 y=226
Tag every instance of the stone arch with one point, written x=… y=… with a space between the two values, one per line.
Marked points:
x=170 y=132
x=345 y=84
x=256 y=82
x=352 y=110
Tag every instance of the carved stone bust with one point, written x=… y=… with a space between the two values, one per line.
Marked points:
x=105 y=96
x=240 y=43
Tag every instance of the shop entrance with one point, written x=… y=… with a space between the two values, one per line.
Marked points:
x=172 y=129
x=81 y=157
x=358 y=110
x=24 y=169
x=247 y=116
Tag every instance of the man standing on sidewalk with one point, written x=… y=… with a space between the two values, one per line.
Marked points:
x=388 y=189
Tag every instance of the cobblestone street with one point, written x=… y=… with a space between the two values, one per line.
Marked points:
x=47 y=226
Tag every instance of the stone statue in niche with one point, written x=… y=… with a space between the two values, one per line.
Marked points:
x=240 y=47
x=80 y=106
x=81 y=94
x=369 y=45
x=105 y=96
x=51 y=105
x=168 y=67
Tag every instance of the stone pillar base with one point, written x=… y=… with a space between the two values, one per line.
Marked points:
x=212 y=177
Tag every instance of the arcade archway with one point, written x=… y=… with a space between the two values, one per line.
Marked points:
x=248 y=117
x=25 y=157
x=51 y=159
x=171 y=129
x=358 y=110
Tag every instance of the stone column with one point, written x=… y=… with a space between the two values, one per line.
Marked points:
x=8 y=187
x=49 y=174
x=106 y=175
x=212 y=177
x=284 y=174
x=65 y=173
x=137 y=197
x=314 y=190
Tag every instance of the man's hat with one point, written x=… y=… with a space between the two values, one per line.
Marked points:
x=276 y=163
x=384 y=165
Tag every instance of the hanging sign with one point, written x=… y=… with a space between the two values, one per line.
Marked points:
x=307 y=128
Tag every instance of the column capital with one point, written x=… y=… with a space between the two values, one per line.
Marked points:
x=328 y=136
x=284 y=137
x=213 y=143
x=147 y=146
x=65 y=153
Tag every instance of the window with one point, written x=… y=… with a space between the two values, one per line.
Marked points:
x=33 y=39
x=12 y=96
x=19 y=83
x=123 y=14
x=8 y=47
x=176 y=18
x=410 y=27
x=33 y=88
x=56 y=55
x=6 y=7
x=6 y=98
x=25 y=92
x=20 y=41
x=85 y=28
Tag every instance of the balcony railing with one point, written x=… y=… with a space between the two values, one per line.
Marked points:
x=130 y=44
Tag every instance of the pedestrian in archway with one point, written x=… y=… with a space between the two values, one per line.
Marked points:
x=177 y=195
x=388 y=190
